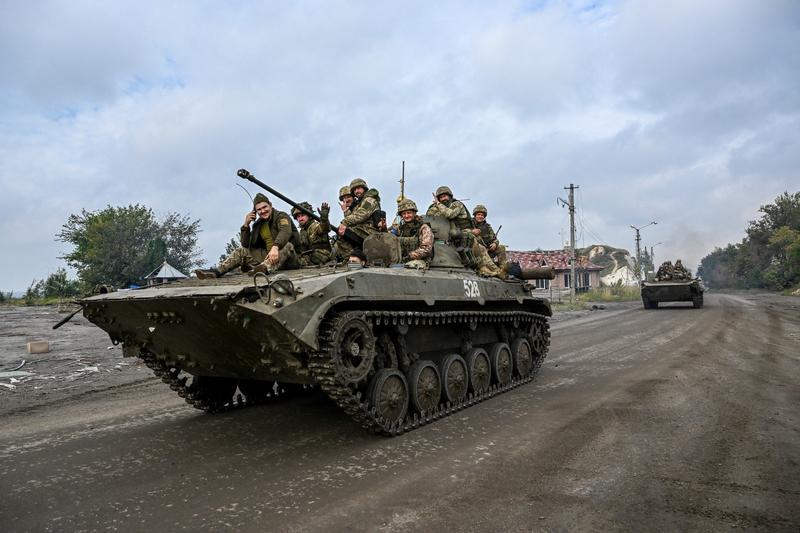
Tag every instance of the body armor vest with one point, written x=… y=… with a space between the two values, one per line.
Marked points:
x=409 y=236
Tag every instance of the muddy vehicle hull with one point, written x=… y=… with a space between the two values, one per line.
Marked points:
x=394 y=347
x=656 y=292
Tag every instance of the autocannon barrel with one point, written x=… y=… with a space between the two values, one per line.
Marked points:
x=538 y=273
x=349 y=235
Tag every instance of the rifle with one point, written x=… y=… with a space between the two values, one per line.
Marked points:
x=349 y=235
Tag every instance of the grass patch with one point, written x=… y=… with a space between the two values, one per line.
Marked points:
x=566 y=306
x=614 y=293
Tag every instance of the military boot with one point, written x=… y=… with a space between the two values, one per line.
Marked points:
x=261 y=268
x=207 y=274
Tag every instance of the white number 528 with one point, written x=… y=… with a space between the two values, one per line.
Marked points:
x=471 y=289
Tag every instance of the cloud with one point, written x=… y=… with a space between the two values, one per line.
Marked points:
x=681 y=112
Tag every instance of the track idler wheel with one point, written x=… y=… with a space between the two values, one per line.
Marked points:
x=522 y=356
x=425 y=386
x=502 y=364
x=388 y=395
x=479 y=369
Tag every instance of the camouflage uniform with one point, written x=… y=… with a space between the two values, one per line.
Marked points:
x=315 y=246
x=359 y=218
x=680 y=272
x=343 y=192
x=452 y=210
x=665 y=271
x=416 y=238
x=457 y=213
x=488 y=237
x=252 y=253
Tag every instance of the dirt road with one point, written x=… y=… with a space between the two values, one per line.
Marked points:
x=670 y=419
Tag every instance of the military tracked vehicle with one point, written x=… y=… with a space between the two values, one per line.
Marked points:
x=394 y=347
x=655 y=292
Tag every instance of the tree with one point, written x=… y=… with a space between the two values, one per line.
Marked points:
x=33 y=292
x=768 y=256
x=230 y=246
x=58 y=285
x=119 y=245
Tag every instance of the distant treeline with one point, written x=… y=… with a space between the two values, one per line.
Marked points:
x=769 y=255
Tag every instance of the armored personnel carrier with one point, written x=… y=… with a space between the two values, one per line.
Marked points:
x=395 y=348
x=655 y=292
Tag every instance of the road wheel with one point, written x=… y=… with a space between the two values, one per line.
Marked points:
x=425 y=386
x=479 y=369
x=697 y=301
x=455 y=378
x=388 y=394
x=502 y=365
x=522 y=357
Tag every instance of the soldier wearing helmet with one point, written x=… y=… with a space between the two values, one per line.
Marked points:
x=680 y=272
x=345 y=199
x=483 y=230
x=366 y=201
x=665 y=271
x=444 y=205
x=416 y=237
x=315 y=246
x=267 y=247
x=473 y=253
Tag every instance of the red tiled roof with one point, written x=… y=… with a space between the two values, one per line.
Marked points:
x=558 y=259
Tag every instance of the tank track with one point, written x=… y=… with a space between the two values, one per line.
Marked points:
x=323 y=367
x=171 y=376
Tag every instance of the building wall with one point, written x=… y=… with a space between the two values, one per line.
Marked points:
x=587 y=279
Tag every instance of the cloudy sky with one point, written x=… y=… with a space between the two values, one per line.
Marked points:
x=684 y=112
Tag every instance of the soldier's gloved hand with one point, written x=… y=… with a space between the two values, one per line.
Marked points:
x=249 y=217
x=324 y=210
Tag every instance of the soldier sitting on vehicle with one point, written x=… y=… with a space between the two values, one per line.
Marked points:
x=366 y=201
x=483 y=230
x=473 y=252
x=345 y=200
x=680 y=272
x=267 y=247
x=416 y=237
x=665 y=271
x=315 y=246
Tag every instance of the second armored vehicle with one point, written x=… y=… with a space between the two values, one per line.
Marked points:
x=655 y=292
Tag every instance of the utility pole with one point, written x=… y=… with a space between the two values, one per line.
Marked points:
x=638 y=249
x=652 y=257
x=571 y=205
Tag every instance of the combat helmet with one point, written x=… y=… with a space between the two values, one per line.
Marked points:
x=480 y=208
x=358 y=182
x=344 y=191
x=296 y=211
x=406 y=204
x=444 y=189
